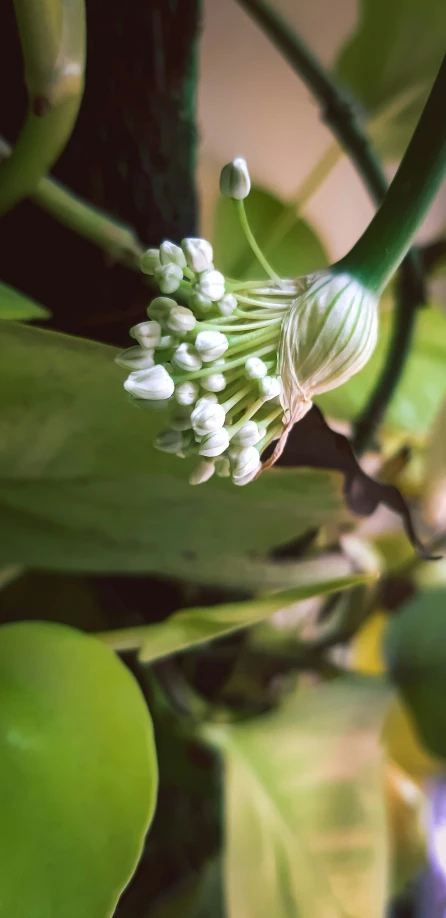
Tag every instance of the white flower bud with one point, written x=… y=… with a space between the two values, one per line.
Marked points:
x=248 y=435
x=269 y=387
x=149 y=261
x=181 y=319
x=201 y=303
x=207 y=417
x=171 y=254
x=211 y=284
x=202 y=472
x=214 y=444
x=168 y=277
x=198 y=253
x=186 y=357
x=135 y=358
x=211 y=345
x=255 y=368
x=222 y=467
x=186 y=393
x=328 y=335
x=147 y=334
x=169 y=441
x=234 y=180
x=160 y=307
x=154 y=383
x=181 y=420
x=216 y=382
x=245 y=465
x=227 y=305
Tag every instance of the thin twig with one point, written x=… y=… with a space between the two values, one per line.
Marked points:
x=115 y=238
x=340 y=114
x=52 y=35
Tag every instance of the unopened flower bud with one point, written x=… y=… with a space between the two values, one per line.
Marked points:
x=198 y=253
x=248 y=435
x=147 y=334
x=202 y=472
x=214 y=444
x=172 y=254
x=201 y=303
x=269 y=387
x=186 y=357
x=211 y=345
x=160 y=307
x=328 y=335
x=181 y=319
x=216 y=382
x=207 y=417
x=154 y=383
x=212 y=285
x=246 y=465
x=234 y=180
x=149 y=261
x=135 y=358
x=168 y=277
x=169 y=441
x=186 y=393
x=227 y=305
x=255 y=368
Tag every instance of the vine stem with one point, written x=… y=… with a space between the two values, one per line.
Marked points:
x=117 y=239
x=52 y=36
x=339 y=113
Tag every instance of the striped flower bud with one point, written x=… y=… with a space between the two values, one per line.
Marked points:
x=211 y=345
x=212 y=285
x=215 y=443
x=168 y=277
x=328 y=334
x=181 y=320
x=154 y=383
x=207 y=417
x=147 y=334
x=150 y=260
x=234 y=180
x=172 y=254
x=198 y=254
x=135 y=358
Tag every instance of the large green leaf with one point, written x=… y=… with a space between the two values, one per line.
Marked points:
x=17 y=306
x=82 y=488
x=390 y=64
x=296 y=251
x=192 y=627
x=416 y=654
x=78 y=773
x=304 y=809
x=423 y=384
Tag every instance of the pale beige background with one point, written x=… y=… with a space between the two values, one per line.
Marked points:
x=252 y=104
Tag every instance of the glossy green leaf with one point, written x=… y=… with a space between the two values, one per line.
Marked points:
x=78 y=773
x=421 y=389
x=192 y=627
x=305 y=821
x=296 y=251
x=390 y=63
x=82 y=488
x=415 y=645
x=15 y=305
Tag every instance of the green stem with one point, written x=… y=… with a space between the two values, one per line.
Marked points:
x=52 y=35
x=382 y=247
x=240 y=205
x=115 y=238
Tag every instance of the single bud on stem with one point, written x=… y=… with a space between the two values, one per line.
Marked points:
x=235 y=182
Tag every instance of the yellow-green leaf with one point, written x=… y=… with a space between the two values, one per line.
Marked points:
x=78 y=773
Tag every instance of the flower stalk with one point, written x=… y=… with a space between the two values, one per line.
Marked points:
x=382 y=247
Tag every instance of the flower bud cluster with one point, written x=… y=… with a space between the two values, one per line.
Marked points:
x=236 y=364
